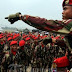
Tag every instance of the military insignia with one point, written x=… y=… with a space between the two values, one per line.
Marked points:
x=67 y=1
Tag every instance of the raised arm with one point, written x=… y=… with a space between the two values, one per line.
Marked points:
x=55 y=26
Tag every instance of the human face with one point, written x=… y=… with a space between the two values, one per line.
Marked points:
x=14 y=47
x=1 y=40
x=67 y=12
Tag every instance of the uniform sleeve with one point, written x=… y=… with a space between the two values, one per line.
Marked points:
x=47 y=25
x=61 y=43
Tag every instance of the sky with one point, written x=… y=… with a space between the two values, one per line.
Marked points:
x=49 y=9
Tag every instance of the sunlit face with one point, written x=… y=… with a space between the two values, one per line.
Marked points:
x=67 y=12
x=1 y=40
x=14 y=47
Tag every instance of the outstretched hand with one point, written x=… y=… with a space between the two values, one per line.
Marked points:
x=13 y=17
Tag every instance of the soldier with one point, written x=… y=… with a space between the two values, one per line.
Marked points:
x=16 y=37
x=11 y=57
x=7 y=46
x=61 y=27
x=1 y=49
x=21 y=50
x=22 y=53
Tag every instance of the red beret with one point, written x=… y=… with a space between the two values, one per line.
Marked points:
x=22 y=43
x=24 y=36
x=35 y=38
x=1 y=34
x=1 y=37
x=62 y=61
x=67 y=2
x=15 y=36
x=39 y=35
x=44 y=36
x=28 y=38
x=62 y=37
x=10 y=38
x=13 y=43
x=11 y=34
x=8 y=35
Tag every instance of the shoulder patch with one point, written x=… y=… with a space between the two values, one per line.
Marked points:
x=69 y=25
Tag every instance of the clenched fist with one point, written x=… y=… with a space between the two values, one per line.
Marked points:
x=13 y=17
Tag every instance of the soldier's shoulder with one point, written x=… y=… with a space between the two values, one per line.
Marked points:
x=68 y=24
x=67 y=21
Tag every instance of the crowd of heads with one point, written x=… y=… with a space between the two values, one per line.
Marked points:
x=31 y=48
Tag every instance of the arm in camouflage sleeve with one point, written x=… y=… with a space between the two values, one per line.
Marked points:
x=61 y=43
x=48 y=25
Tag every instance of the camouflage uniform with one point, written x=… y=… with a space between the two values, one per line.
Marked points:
x=60 y=27
x=10 y=59
x=1 y=52
x=27 y=50
x=55 y=26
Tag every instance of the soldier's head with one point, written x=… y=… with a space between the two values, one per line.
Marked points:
x=1 y=39
x=21 y=44
x=36 y=39
x=27 y=40
x=9 y=40
x=13 y=45
x=67 y=9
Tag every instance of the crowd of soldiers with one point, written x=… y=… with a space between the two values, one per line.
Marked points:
x=26 y=50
